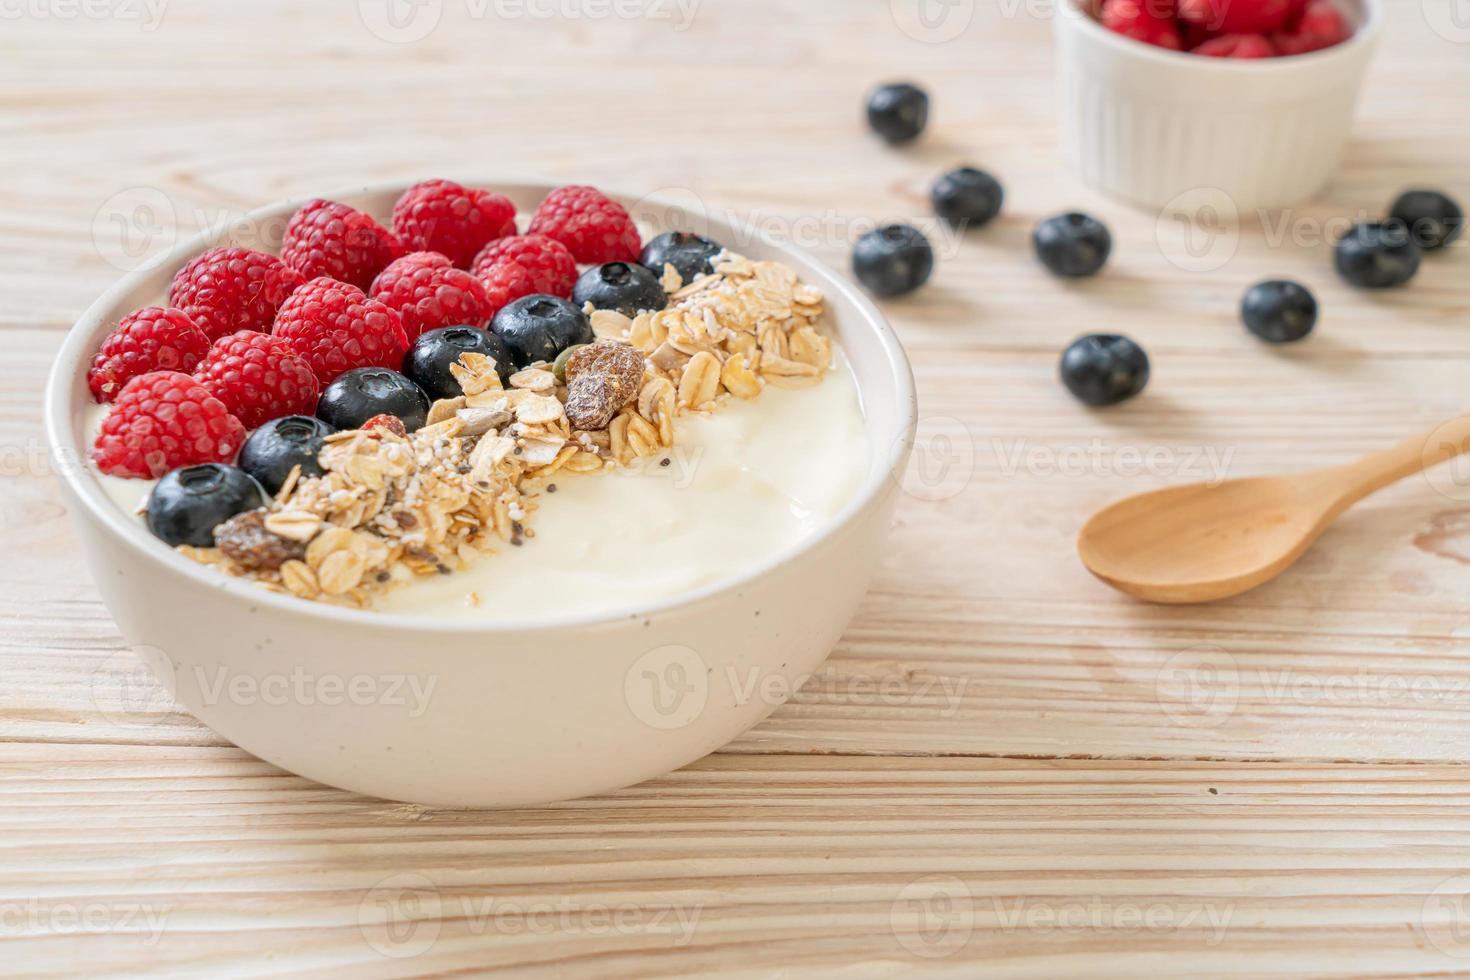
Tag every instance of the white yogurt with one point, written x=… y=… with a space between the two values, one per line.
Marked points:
x=745 y=484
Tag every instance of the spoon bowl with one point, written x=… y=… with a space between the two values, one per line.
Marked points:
x=1205 y=542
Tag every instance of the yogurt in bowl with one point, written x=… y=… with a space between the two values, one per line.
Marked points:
x=749 y=481
x=569 y=664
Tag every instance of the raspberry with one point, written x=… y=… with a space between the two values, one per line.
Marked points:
x=163 y=421
x=1237 y=46
x=1149 y=21
x=595 y=228
x=325 y=238
x=429 y=292
x=259 y=378
x=1237 y=16
x=1321 y=25
x=153 y=339
x=229 y=289
x=441 y=216
x=524 y=264
x=336 y=327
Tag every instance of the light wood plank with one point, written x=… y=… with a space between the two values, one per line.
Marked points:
x=782 y=863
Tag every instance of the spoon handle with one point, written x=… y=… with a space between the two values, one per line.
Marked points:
x=1422 y=452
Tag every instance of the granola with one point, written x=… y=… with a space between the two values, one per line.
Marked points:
x=392 y=506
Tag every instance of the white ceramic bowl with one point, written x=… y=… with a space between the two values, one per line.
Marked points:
x=1158 y=127
x=521 y=714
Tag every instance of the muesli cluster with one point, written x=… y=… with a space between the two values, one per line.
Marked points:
x=747 y=325
x=392 y=505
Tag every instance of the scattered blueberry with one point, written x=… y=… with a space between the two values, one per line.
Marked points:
x=362 y=393
x=427 y=363
x=279 y=446
x=1073 y=245
x=1433 y=219
x=626 y=287
x=188 y=504
x=1377 y=255
x=691 y=254
x=898 y=112
x=894 y=260
x=539 y=327
x=1104 y=369
x=967 y=197
x=1279 y=311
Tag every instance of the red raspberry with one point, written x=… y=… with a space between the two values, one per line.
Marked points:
x=1149 y=21
x=441 y=216
x=507 y=283
x=229 y=289
x=1237 y=16
x=325 y=238
x=162 y=421
x=259 y=378
x=153 y=339
x=429 y=292
x=525 y=264
x=1321 y=26
x=595 y=228
x=337 y=328
x=1237 y=46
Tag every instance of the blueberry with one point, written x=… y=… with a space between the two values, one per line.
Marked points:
x=539 y=327
x=280 y=445
x=626 y=287
x=898 y=112
x=427 y=363
x=894 y=260
x=691 y=254
x=1279 y=311
x=1104 y=369
x=188 y=504
x=362 y=393
x=1073 y=245
x=967 y=197
x=1375 y=255
x=1433 y=219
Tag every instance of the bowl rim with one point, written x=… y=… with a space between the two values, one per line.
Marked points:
x=1366 y=35
x=65 y=443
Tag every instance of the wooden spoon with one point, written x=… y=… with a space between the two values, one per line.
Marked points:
x=1206 y=542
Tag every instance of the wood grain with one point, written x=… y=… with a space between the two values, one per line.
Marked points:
x=1005 y=767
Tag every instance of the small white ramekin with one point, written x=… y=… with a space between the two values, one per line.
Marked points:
x=1153 y=126
x=486 y=714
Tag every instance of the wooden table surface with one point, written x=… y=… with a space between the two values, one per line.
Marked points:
x=1005 y=767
